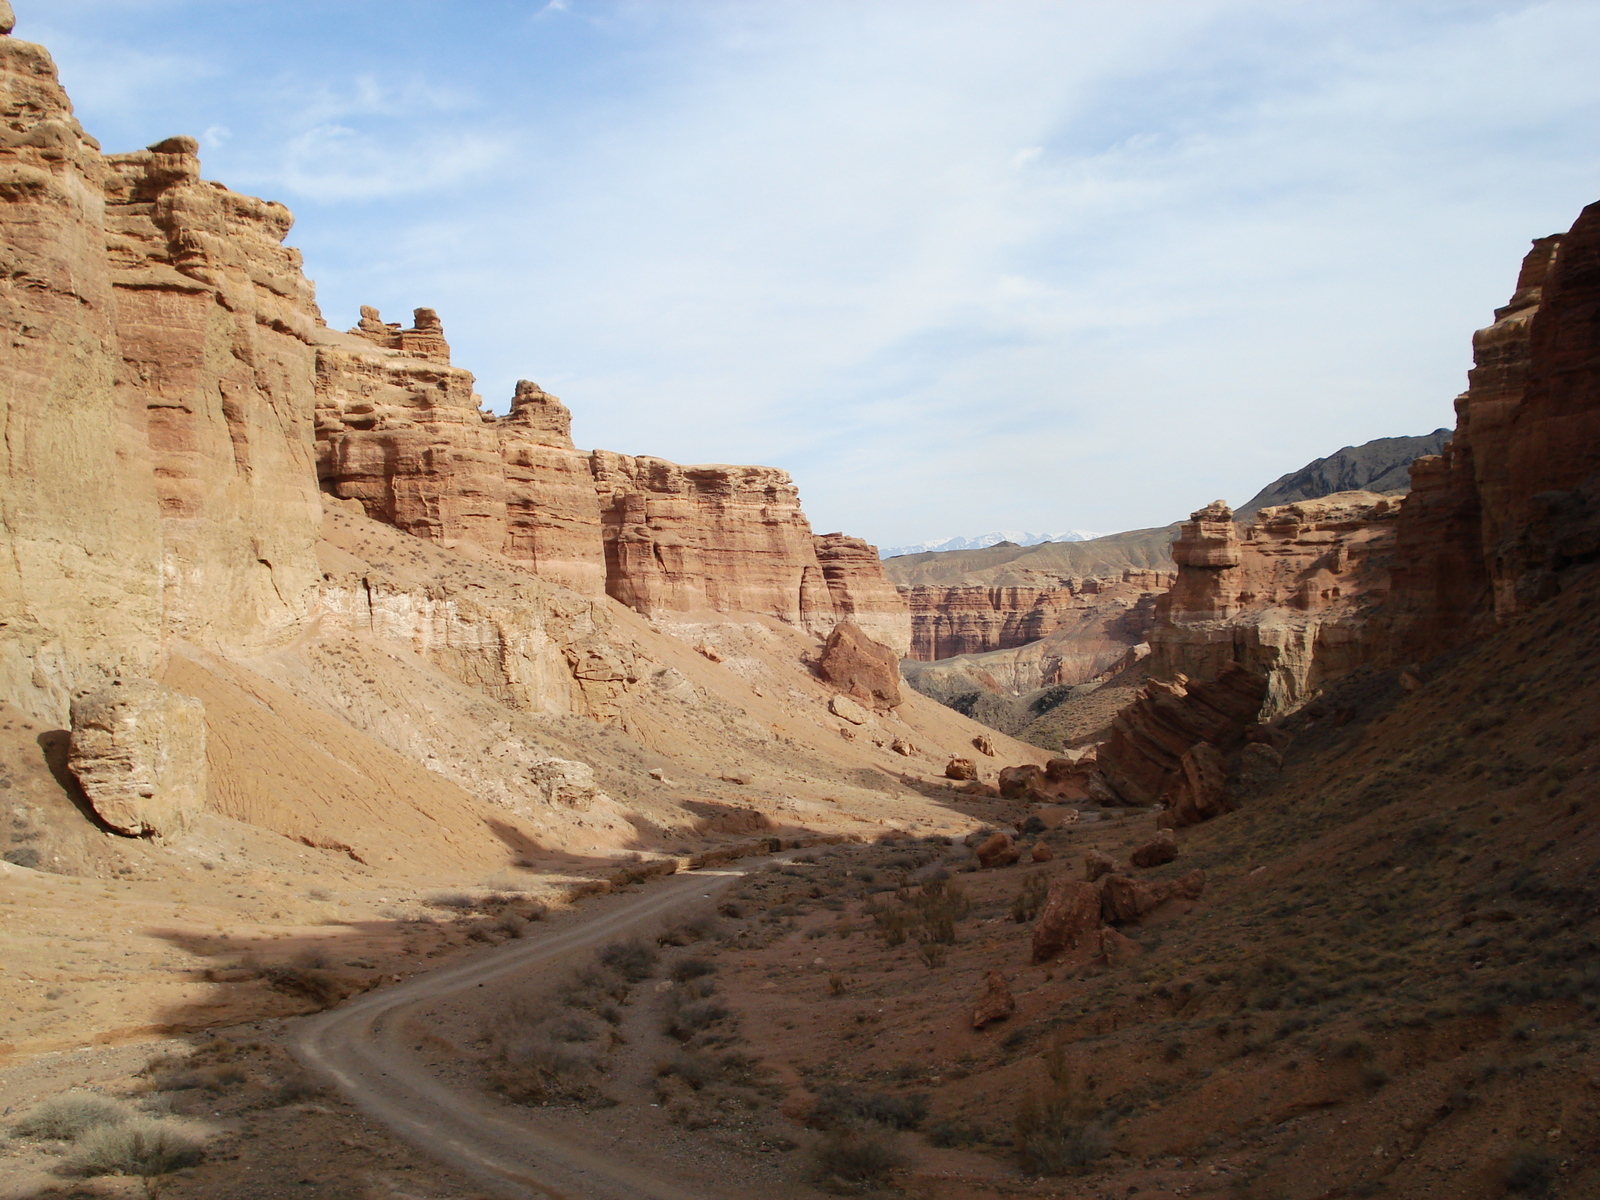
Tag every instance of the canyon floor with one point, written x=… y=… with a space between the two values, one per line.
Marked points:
x=1386 y=988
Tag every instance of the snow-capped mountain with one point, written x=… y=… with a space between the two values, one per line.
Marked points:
x=990 y=539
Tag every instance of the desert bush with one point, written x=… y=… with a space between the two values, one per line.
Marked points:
x=295 y=1085
x=933 y=954
x=511 y=924
x=458 y=900
x=839 y=1106
x=686 y=969
x=850 y=1161
x=1025 y=905
x=1059 y=1128
x=69 y=1117
x=634 y=960
x=536 y=1070
x=1530 y=1173
x=142 y=1146
x=683 y=1021
x=947 y=1134
x=310 y=982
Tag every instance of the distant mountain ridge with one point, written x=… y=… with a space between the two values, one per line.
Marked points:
x=984 y=540
x=1381 y=465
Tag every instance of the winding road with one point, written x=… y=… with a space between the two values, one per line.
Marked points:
x=362 y=1046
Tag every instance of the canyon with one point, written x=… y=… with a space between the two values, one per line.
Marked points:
x=320 y=680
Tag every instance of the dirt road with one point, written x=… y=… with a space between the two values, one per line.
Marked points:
x=361 y=1046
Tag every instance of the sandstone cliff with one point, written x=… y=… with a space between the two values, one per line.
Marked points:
x=400 y=430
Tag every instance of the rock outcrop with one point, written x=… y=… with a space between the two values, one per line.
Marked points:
x=996 y=1003
x=1149 y=738
x=859 y=591
x=138 y=749
x=1287 y=595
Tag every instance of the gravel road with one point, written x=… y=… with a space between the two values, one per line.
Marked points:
x=362 y=1048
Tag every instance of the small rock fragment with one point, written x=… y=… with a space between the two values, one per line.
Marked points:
x=1041 y=852
x=997 y=1002
x=1096 y=863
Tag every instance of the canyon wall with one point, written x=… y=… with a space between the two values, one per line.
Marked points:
x=973 y=619
x=401 y=431
x=156 y=376
x=1496 y=523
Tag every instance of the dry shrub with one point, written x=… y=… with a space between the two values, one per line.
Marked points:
x=1059 y=1130
x=842 y=1107
x=68 y=1118
x=313 y=983
x=849 y=1162
x=1030 y=898
x=142 y=1146
x=634 y=960
x=536 y=1070
x=686 y=969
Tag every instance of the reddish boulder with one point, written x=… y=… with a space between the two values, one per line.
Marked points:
x=997 y=851
x=1071 y=912
x=960 y=768
x=1096 y=864
x=984 y=744
x=859 y=667
x=1126 y=899
x=987 y=790
x=1200 y=790
x=997 y=1002
x=1018 y=783
x=1117 y=950
x=1162 y=848
x=1041 y=853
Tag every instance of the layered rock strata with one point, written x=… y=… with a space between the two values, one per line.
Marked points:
x=401 y=431
x=972 y=619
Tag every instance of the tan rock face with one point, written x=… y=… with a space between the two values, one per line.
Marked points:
x=859 y=667
x=1086 y=624
x=157 y=409
x=860 y=592
x=139 y=750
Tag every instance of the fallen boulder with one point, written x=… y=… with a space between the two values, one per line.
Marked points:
x=1200 y=790
x=1071 y=912
x=1041 y=852
x=997 y=851
x=139 y=750
x=961 y=768
x=996 y=1004
x=866 y=670
x=1097 y=863
x=1162 y=848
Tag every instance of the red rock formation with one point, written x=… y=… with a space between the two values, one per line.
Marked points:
x=1149 y=737
x=1287 y=595
x=156 y=381
x=552 y=511
x=1071 y=912
x=996 y=1003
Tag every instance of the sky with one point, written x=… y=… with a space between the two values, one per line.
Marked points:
x=957 y=266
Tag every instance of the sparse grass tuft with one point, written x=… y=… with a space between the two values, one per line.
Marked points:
x=68 y=1118
x=634 y=960
x=142 y=1146
x=849 y=1162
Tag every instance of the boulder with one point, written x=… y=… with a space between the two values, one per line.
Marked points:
x=1116 y=949
x=1017 y=783
x=1162 y=848
x=984 y=744
x=863 y=669
x=1096 y=864
x=849 y=710
x=960 y=768
x=1126 y=899
x=1200 y=790
x=986 y=790
x=1033 y=826
x=998 y=850
x=1041 y=852
x=1071 y=912
x=139 y=750
x=996 y=1004
x=902 y=747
